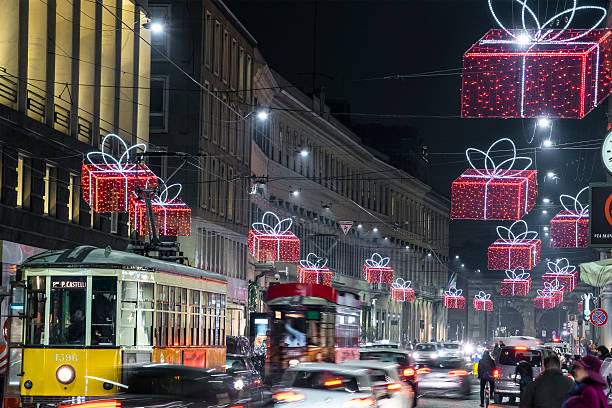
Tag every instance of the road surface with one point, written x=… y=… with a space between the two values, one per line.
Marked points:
x=473 y=401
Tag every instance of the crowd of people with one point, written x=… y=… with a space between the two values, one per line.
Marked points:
x=552 y=388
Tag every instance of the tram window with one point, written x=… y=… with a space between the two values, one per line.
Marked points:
x=136 y=313
x=103 y=310
x=145 y=324
x=67 y=319
x=145 y=295
x=36 y=310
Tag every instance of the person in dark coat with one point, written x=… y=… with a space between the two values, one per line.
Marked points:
x=549 y=389
x=602 y=352
x=486 y=365
x=589 y=389
x=525 y=371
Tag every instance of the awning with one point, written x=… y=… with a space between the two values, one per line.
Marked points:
x=597 y=273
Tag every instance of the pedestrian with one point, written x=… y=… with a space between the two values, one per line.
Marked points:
x=603 y=352
x=589 y=389
x=486 y=366
x=592 y=347
x=496 y=350
x=525 y=371
x=549 y=389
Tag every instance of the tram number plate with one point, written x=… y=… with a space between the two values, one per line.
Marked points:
x=66 y=357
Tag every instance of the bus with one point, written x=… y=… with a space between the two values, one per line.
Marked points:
x=91 y=312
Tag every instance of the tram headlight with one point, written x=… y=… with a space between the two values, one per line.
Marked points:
x=65 y=374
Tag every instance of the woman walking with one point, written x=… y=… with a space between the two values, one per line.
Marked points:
x=589 y=389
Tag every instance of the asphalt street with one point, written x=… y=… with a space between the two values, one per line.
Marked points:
x=452 y=402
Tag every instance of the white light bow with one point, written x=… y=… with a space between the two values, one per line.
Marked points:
x=319 y=263
x=453 y=292
x=111 y=163
x=579 y=209
x=553 y=286
x=276 y=228
x=520 y=276
x=482 y=296
x=511 y=238
x=561 y=267
x=164 y=200
x=401 y=284
x=542 y=31
x=377 y=261
x=497 y=170
x=543 y=293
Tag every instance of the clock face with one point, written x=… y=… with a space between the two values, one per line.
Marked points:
x=606 y=152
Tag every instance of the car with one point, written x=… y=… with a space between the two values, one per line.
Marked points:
x=155 y=385
x=331 y=385
x=242 y=367
x=385 y=374
x=426 y=352
x=445 y=377
x=506 y=385
x=450 y=351
x=398 y=356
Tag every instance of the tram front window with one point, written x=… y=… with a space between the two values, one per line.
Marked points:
x=67 y=319
x=103 y=310
x=36 y=310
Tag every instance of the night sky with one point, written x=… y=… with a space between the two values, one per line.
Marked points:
x=360 y=40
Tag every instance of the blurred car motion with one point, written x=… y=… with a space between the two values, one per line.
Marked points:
x=400 y=357
x=449 y=378
x=426 y=352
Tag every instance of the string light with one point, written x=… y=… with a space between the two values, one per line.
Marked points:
x=482 y=301
x=555 y=289
x=563 y=272
x=453 y=298
x=517 y=283
x=271 y=240
x=401 y=291
x=544 y=300
x=570 y=227
x=172 y=217
x=514 y=250
x=313 y=270
x=377 y=269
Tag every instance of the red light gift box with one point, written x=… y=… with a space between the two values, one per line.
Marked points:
x=497 y=191
x=555 y=289
x=401 y=291
x=570 y=227
x=517 y=283
x=513 y=249
x=377 y=270
x=108 y=183
x=172 y=217
x=313 y=270
x=272 y=240
x=482 y=301
x=563 y=272
x=453 y=298
x=544 y=300
x=527 y=73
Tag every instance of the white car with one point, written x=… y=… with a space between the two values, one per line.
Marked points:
x=426 y=352
x=323 y=385
x=389 y=389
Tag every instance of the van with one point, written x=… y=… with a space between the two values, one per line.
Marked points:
x=505 y=367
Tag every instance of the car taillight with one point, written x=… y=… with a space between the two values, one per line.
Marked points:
x=495 y=373
x=288 y=396
x=521 y=348
x=95 y=404
x=333 y=383
x=458 y=373
x=394 y=387
x=423 y=370
x=408 y=372
x=359 y=403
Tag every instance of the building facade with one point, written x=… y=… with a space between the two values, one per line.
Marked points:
x=209 y=118
x=312 y=169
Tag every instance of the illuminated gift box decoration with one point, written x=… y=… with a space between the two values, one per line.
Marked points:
x=496 y=191
x=514 y=250
x=544 y=300
x=402 y=291
x=482 y=301
x=517 y=283
x=453 y=298
x=172 y=217
x=570 y=227
x=563 y=272
x=108 y=183
x=377 y=269
x=313 y=270
x=528 y=73
x=555 y=289
x=272 y=240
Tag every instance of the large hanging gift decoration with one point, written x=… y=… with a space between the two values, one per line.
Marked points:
x=401 y=291
x=517 y=247
x=172 y=217
x=544 y=300
x=482 y=301
x=538 y=71
x=314 y=270
x=377 y=269
x=563 y=272
x=453 y=298
x=570 y=227
x=108 y=182
x=517 y=283
x=555 y=289
x=271 y=240
x=495 y=191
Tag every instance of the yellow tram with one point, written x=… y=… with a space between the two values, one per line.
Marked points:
x=90 y=312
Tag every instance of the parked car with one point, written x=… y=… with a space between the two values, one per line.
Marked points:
x=504 y=374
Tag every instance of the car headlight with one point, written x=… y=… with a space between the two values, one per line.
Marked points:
x=434 y=355
x=469 y=349
x=441 y=353
x=416 y=354
x=238 y=384
x=65 y=374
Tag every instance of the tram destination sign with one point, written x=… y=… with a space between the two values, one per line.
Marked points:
x=600 y=215
x=68 y=283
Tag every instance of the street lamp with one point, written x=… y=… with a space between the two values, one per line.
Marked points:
x=374 y=229
x=546 y=200
x=304 y=153
x=543 y=122
x=359 y=226
x=295 y=193
x=463 y=265
x=547 y=143
x=550 y=174
x=456 y=256
x=544 y=212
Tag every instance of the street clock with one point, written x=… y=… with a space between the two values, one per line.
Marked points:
x=606 y=152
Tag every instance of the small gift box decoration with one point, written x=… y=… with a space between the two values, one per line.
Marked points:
x=539 y=71
x=517 y=283
x=377 y=269
x=453 y=298
x=555 y=289
x=563 y=272
x=313 y=270
x=514 y=249
x=495 y=191
x=482 y=301
x=544 y=300
x=570 y=227
x=172 y=217
x=108 y=183
x=271 y=240
x=401 y=290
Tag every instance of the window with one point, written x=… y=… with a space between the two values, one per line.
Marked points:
x=214 y=117
x=223 y=122
x=230 y=193
x=67 y=315
x=160 y=13
x=23 y=181
x=226 y=57
x=240 y=72
x=249 y=78
x=214 y=185
x=159 y=104
x=217 y=48
x=222 y=190
x=209 y=41
x=103 y=310
x=35 y=324
x=50 y=197
x=74 y=196
x=207 y=108
x=233 y=62
x=136 y=313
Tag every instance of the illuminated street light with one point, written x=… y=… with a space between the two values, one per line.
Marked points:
x=456 y=256
x=546 y=200
x=545 y=228
x=359 y=226
x=374 y=229
x=547 y=143
x=304 y=153
x=544 y=212
x=295 y=193
x=262 y=115
x=543 y=122
x=463 y=265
